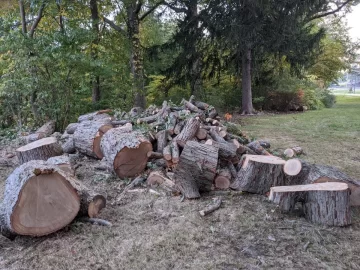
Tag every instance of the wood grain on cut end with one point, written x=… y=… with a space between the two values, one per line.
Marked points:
x=292 y=167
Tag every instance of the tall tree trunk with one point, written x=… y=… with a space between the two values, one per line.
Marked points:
x=247 y=106
x=95 y=81
x=22 y=16
x=136 y=61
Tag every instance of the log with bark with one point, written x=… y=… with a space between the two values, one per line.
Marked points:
x=188 y=132
x=292 y=152
x=44 y=131
x=71 y=128
x=161 y=137
x=323 y=203
x=125 y=152
x=68 y=146
x=63 y=162
x=212 y=207
x=39 y=150
x=259 y=173
x=40 y=198
x=158 y=178
x=87 y=137
x=196 y=169
x=95 y=116
x=302 y=172
x=258 y=148
x=223 y=179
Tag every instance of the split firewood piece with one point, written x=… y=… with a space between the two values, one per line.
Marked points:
x=70 y=129
x=174 y=152
x=161 y=137
x=223 y=179
x=240 y=149
x=44 y=131
x=188 y=132
x=68 y=146
x=179 y=126
x=95 y=116
x=323 y=203
x=301 y=172
x=216 y=137
x=173 y=116
x=190 y=106
x=158 y=178
x=258 y=149
x=211 y=208
x=196 y=169
x=201 y=134
x=232 y=170
x=167 y=152
x=41 y=198
x=154 y=155
x=227 y=150
x=87 y=139
x=259 y=173
x=125 y=152
x=117 y=123
x=63 y=162
x=291 y=152
x=39 y=150
x=201 y=105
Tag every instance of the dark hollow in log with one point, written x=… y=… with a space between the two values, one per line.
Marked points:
x=85 y=139
x=125 y=152
x=196 y=169
x=323 y=203
x=39 y=150
x=259 y=173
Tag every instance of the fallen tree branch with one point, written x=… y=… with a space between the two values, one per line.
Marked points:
x=211 y=208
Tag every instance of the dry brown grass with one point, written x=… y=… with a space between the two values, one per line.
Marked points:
x=152 y=232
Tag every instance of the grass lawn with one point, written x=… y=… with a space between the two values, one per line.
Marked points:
x=328 y=136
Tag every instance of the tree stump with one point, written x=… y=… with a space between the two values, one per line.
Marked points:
x=323 y=203
x=87 y=139
x=125 y=152
x=196 y=169
x=39 y=150
x=259 y=173
x=41 y=198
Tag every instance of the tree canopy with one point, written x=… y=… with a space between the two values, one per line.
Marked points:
x=62 y=58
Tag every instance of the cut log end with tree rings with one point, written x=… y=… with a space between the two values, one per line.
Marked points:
x=292 y=167
x=126 y=153
x=98 y=202
x=39 y=150
x=222 y=182
x=201 y=134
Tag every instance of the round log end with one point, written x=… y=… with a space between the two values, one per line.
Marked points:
x=46 y=203
x=98 y=203
x=292 y=167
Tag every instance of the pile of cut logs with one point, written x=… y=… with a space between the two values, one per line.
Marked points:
x=187 y=149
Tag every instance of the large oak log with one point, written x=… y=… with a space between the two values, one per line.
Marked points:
x=40 y=198
x=39 y=150
x=87 y=139
x=259 y=173
x=323 y=203
x=302 y=172
x=125 y=152
x=196 y=169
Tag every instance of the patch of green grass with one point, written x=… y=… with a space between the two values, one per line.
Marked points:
x=328 y=136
